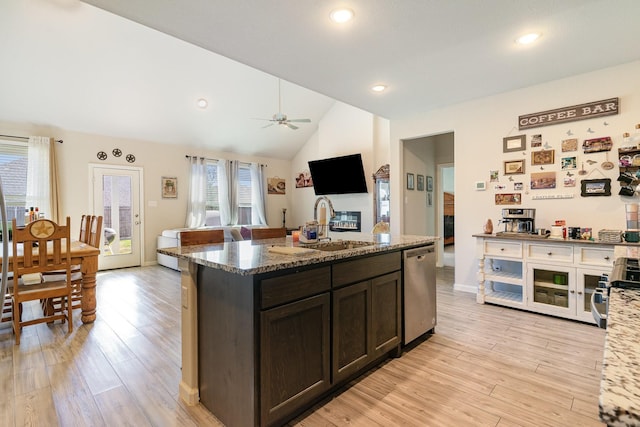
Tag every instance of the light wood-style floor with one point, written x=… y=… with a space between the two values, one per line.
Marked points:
x=485 y=366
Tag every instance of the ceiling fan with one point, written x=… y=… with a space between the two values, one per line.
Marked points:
x=281 y=119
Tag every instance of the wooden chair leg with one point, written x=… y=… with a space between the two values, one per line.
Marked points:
x=16 y=309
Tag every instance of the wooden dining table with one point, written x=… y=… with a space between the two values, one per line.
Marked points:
x=87 y=257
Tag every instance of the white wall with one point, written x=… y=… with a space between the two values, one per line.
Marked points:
x=343 y=130
x=479 y=127
x=156 y=160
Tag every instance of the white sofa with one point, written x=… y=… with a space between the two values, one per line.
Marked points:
x=169 y=238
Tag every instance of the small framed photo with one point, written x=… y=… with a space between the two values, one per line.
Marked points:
x=410 y=178
x=514 y=167
x=429 y=183
x=169 y=187
x=514 y=143
x=508 y=199
x=568 y=162
x=569 y=145
x=420 y=182
x=429 y=199
x=543 y=180
x=596 y=187
x=543 y=157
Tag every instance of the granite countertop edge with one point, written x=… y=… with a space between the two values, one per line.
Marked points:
x=619 y=402
x=250 y=258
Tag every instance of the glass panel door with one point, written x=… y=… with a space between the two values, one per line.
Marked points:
x=116 y=196
x=553 y=288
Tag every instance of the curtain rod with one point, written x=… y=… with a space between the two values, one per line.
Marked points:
x=206 y=158
x=217 y=160
x=27 y=138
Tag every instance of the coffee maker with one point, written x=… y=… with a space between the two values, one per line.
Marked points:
x=517 y=221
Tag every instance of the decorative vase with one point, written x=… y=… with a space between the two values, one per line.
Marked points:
x=488 y=227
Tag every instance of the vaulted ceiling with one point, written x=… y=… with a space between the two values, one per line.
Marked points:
x=135 y=68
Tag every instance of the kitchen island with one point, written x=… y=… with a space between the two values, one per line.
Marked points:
x=620 y=385
x=268 y=331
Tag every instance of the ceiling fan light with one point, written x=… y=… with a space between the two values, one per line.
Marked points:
x=378 y=88
x=340 y=16
x=528 y=38
x=202 y=103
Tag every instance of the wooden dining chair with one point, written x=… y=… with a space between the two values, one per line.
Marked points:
x=90 y=233
x=95 y=231
x=200 y=237
x=84 y=228
x=45 y=246
x=268 y=233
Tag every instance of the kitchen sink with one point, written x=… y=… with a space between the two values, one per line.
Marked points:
x=338 y=245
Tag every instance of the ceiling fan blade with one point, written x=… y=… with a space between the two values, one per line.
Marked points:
x=301 y=120
x=257 y=118
x=290 y=126
x=266 y=126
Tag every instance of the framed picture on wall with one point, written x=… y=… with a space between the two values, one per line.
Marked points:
x=420 y=182
x=169 y=187
x=514 y=143
x=429 y=183
x=410 y=184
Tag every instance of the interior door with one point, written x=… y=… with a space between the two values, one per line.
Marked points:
x=116 y=196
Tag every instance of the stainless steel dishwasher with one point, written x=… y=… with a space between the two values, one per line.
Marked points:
x=419 y=291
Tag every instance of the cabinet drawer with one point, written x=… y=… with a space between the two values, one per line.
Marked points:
x=601 y=257
x=503 y=249
x=365 y=268
x=293 y=286
x=556 y=253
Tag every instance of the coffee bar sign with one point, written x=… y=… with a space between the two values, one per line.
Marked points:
x=607 y=107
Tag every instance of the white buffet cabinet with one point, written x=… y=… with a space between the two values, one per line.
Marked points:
x=555 y=277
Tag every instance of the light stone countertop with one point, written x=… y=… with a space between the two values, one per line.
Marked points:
x=620 y=385
x=253 y=257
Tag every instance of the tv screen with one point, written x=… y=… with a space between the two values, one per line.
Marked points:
x=338 y=175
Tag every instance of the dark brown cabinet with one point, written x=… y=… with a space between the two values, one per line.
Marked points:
x=295 y=363
x=271 y=345
x=366 y=314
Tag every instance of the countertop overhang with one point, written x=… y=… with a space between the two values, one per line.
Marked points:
x=620 y=385
x=253 y=257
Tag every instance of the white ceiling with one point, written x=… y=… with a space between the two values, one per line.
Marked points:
x=108 y=75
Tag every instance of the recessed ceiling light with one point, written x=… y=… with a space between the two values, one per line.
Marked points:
x=528 y=38
x=340 y=16
x=378 y=88
x=202 y=103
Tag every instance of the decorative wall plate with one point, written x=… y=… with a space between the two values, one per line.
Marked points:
x=102 y=155
x=130 y=158
x=117 y=152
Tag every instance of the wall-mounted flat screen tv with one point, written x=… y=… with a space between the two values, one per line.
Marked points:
x=338 y=175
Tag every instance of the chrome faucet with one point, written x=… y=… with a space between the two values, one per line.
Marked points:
x=323 y=228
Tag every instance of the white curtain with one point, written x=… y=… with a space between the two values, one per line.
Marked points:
x=223 y=192
x=39 y=175
x=257 y=194
x=232 y=177
x=196 y=206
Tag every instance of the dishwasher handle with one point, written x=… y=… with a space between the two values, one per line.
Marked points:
x=419 y=253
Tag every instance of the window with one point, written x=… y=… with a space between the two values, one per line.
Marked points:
x=243 y=190
x=13 y=170
x=244 y=194
x=212 y=203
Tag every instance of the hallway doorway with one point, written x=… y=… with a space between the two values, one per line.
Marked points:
x=446 y=173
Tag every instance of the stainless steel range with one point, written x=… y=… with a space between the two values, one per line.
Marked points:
x=625 y=274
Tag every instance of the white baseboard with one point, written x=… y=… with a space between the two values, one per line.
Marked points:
x=465 y=288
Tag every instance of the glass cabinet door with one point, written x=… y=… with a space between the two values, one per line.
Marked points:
x=553 y=289
x=587 y=283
